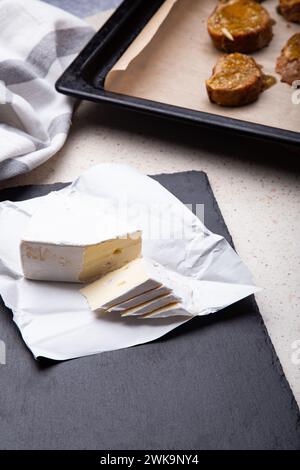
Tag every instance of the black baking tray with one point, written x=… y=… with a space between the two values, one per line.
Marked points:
x=84 y=78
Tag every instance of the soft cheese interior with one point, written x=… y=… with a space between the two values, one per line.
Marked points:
x=122 y=285
x=109 y=255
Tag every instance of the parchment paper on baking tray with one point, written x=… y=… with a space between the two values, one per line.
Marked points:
x=173 y=56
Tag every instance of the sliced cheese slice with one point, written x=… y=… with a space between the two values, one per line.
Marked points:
x=153 y=305
x=137 y=288
x=140 y=299
x=173 y=310
x=73 y=239
x=122 y=285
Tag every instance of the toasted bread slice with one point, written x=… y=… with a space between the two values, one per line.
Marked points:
x=290 y=10
x=288 y=63
x=236 y=80
x=240 y=26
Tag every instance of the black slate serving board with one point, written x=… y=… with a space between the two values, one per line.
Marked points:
x=213 y=383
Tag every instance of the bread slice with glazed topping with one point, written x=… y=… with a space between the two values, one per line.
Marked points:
x=236 y=80
x=288 y=63
x=290 y=10
x=240 y=26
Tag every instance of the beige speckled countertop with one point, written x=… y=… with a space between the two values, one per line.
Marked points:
x=256 y=185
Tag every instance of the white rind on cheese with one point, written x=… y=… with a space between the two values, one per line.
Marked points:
x=72 y=239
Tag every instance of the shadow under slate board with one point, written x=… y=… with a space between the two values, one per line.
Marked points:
x=214 y=383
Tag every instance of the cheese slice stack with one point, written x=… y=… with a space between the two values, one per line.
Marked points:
x=76 y=239
x=173 y=310
x=151 y=306
x=139 y=300
x=141 y=288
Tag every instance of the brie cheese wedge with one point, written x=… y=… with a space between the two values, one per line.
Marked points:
x=75 y=239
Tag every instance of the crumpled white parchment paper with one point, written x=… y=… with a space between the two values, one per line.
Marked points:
x=54 y=318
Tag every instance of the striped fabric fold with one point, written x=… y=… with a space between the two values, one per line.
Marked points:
x=37 y=42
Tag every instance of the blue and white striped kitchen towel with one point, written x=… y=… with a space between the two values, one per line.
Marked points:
x=37 y=42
